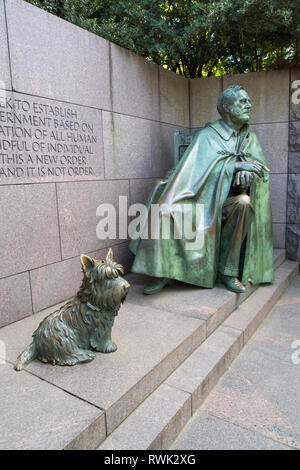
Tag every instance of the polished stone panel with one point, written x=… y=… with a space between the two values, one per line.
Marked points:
x=278 y=194
x=134 y=84
x=127 y=146
x=46 y=140
x=293 y=206
x=53 y=58
x=203 y=100
x=140 y=190
x=5 y=80
x=47 y=288
x=294 y=147
x=273 y=139
x=279 y=235
x=77 y=206
x=15 y=298
x=29 y=235
x=174 y=98
x=293 y=241
x=293 y=217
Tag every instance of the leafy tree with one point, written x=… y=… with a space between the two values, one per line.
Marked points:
x=194 y=38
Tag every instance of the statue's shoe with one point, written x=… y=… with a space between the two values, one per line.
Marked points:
x=233 y=284
x=158 y=285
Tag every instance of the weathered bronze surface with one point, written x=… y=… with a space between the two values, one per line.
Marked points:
x=68 y=336
x=224 y=169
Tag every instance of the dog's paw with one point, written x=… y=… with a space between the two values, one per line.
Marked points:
x=107 y=347
x=89 y=356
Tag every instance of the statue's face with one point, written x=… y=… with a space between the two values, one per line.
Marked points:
x=239 y=110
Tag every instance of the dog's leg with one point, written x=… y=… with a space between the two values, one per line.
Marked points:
x=101 y=341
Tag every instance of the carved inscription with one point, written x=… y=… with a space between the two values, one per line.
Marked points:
x=44 y=139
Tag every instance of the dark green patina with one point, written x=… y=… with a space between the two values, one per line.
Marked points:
x=223 y=161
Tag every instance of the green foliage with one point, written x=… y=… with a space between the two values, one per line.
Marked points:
x=194 y=38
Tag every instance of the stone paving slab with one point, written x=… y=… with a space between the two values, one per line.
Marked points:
x=154 y=424
x=181 y=298
x=151 y=344
x=248 y=316
x=259 y=395
x=282 y=328
x=36 y=415
x=206 y=432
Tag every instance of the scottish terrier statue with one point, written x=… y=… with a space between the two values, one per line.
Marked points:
x=69 y=335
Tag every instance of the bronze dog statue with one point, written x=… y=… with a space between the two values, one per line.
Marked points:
x=68 y=335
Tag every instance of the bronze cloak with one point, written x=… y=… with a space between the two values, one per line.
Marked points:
x=204 y=176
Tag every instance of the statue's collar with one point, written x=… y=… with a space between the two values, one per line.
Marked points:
x=224 y=130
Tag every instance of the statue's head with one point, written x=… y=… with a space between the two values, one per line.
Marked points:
x=234 y=105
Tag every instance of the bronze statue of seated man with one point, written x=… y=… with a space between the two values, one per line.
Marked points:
x=224 y=172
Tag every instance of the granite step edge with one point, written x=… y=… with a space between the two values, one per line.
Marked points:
x=166 y=367
x=186 y=392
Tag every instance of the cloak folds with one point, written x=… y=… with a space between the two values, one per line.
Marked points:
x=204 y=176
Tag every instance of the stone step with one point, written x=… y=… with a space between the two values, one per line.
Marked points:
x=160 y=418
x=154 y=334
x=211 y=305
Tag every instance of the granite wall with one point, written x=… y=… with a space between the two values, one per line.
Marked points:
x=293 y=193
x=82 y=122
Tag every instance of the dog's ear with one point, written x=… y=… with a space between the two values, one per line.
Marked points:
x=87 y=264
x=109 y=256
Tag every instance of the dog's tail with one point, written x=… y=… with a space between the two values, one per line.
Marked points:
x=26 y=356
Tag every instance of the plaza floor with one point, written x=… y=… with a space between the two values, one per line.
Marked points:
x=256 y=404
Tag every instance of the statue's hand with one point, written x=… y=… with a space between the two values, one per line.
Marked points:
x=243 y=178
x=254 y=167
